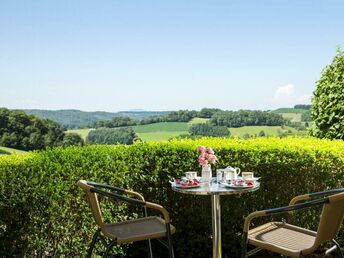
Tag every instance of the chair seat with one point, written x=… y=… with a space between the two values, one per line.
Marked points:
x=137 y=230
x=282 y=238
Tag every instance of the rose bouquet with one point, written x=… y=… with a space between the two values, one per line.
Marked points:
x=207 y=156
x=205 y=159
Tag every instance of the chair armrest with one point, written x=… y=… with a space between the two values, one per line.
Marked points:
x=250 y=217
x=136 y=194
x=159 y=208
x=306 y=197
x=283 y=209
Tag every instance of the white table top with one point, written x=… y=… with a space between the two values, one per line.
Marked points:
x=213 y=189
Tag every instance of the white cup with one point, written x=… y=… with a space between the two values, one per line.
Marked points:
x=190 y=175
x=247 y=175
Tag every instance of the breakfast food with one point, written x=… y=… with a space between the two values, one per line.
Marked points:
x=187 y=182
x=240 y=182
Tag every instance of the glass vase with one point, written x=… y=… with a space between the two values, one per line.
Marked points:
x=206 y=173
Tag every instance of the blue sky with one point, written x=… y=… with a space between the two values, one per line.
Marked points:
x=165 y=55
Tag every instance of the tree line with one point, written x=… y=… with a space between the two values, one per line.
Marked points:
x=246 y=118
x=27 y=132
x=112 y=136
x=217 y=118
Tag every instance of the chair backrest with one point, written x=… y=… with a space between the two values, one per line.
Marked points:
x=93 y=202
x=331 y=219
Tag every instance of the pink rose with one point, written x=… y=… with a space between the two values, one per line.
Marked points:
x=206 y=156
x=210 y=151
x=202 y=161
x=211 y=157
x=201 y=148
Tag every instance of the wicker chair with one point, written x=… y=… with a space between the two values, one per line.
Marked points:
x=144 y=228
x=293 y=241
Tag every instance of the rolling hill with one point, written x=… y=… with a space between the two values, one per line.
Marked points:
x=72 y=118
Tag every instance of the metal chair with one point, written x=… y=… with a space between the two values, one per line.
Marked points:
x=144 y=228
x=293 y=241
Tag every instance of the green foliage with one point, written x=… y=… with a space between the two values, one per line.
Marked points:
x=111 y=136
x=207 y=129
x=246 y=118
x=302 y=106
x=261 y=133
x=328 y=99
x=20 y=131
x=44 y=214
x=115 y=122
x=71 y=139
x=174 y=116
x=306 y=116
x=208 y=112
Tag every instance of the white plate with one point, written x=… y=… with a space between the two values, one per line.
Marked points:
x=236 y=186
x=184 y=186
x=187 y=186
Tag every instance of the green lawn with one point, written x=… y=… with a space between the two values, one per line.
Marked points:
x=82 y=132
x=5 y=150
x=252 y=130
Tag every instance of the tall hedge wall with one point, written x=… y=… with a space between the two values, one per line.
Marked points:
x=43 y=213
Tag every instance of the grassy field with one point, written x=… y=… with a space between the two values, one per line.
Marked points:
x=198 y=120
x=82 y=132
x=167 y=130
x=160 y=136
x=254 y=130
x=5 y=150
x=290 y=110
x=161 y=127
x=151 y=132
x=160 y=131
x=294 y=117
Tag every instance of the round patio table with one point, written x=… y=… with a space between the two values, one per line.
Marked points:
x=215 y=190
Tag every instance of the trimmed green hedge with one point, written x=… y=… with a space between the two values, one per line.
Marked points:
x=44 y=213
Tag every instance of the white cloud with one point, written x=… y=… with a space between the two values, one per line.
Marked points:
x=284 y=91
x=288 y=96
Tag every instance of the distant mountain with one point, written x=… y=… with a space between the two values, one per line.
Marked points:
x=72 y=118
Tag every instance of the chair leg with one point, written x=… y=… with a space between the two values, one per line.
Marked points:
x=150 y=252
x=108 y=248
x=339 y=251
x=169 y=241
x=93 y=243
x=244 y=245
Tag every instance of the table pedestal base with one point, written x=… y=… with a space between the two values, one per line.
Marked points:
x=216 y=221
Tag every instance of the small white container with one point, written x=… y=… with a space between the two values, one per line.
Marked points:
x=219 y=175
